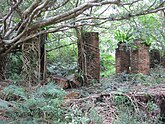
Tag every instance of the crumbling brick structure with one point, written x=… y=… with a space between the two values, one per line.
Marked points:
x=140 y=62
x=89 y=57
x=122 y=58
x=155 y=58
x=163 y=61
x=135 y=60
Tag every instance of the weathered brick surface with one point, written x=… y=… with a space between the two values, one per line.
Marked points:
x=122 y=59
x=140 y=59
x=163 y=61
x=155 y=58
x=89 y=57
x=135 y=61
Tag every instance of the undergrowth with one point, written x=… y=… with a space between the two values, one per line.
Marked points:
x=130 y=112
x=44 y=105
x=83 y=113
x=157 y=76
x=32 y=107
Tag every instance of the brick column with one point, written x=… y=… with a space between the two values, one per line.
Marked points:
x=155 y=58
x=89 y=57
x=122 y=59
x=163 y=61
x=140 y=58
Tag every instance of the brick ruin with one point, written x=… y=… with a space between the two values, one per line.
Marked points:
x=156 y=58
x=134 y=61
x=122 y=58
x=89 y=57
x=140 y=61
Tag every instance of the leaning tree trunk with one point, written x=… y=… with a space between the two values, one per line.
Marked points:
x=43 y=57
x=3 y=60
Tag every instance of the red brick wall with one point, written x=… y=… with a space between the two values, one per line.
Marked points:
x=140 y=62
x=135 y=61
x=89 y=57
x=122 y=59
x=156 y=58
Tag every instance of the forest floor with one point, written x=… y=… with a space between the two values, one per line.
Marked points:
x=100 y=97
x=119 y=100
x=125 y=99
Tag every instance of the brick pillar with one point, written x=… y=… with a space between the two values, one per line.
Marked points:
x=122 y=59
x=89 y=57
x=140 y=58
x=163 y=61
x=155 y=58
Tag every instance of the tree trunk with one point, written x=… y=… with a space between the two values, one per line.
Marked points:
x=2 y=67
x=34 y=60
x=43 y=57
x=31 y=63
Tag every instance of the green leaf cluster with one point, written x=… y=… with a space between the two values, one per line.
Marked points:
x=121 y=36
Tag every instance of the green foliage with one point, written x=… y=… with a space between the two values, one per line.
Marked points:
x=14 y=67
x=13 y=90
x=156 y=76
x=83 y=115
x=107 y=63
x=125 y=109
x=41 y=105
x=152 y=106
x=95 y=117
x=76 y=116
x=129 y=113
x=120 y=100
x=63 y=59
x=3 y=7
x=148 y=42
x=60 y=68
x=149 y=28
x=107 y=58
x=50 y=90
x=121 y=36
